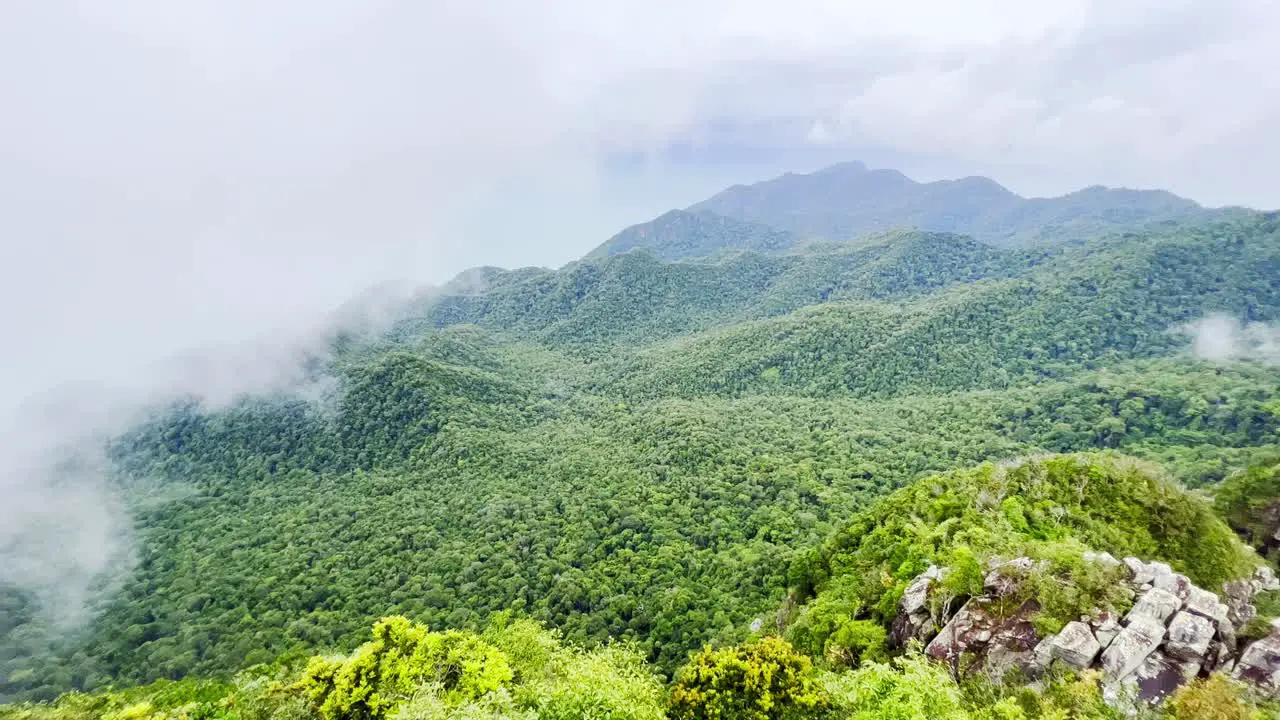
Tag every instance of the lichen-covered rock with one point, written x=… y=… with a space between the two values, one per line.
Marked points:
x=1101 y=558
x=1140 y=573
x=1156 y=605
x=1159 y=675
x=1171 y=582
x=1189 y=636
x=1260 y=664
x=1013 y=647
x=1174 y=632
x=916 y=596
x=1239 y=600
x=914 y=620
x=1207 y=605
x=978 y=628
x=1132 y=646
x=1076 y=646
x=1105 y=627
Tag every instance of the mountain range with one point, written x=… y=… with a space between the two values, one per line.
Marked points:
x=849 y=201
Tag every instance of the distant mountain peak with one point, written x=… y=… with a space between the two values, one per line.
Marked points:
x=843 y=168
x=850 y=200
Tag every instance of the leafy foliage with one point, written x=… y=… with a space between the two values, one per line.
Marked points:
x=1250 y=503
x=401 y=657
x=763 y=680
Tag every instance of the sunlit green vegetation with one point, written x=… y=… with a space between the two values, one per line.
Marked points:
x=657 y=453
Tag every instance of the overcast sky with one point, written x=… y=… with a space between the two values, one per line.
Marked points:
x=177 y=173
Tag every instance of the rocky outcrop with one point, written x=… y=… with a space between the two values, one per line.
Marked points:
x=1173 y=633
x=915 y=619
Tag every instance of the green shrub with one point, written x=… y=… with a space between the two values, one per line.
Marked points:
x=1215 y=698
x=910 y=688
x=402 y=656
x=763 y=680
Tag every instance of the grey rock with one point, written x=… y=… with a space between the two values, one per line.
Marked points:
x=1141 y=573
x=1155 y=604
x=1161 y=575
x=1002 y=659
x=914 y=620
x=1266 y=579
x=1189 y=636
x=1132 y=646
x=1238 y=596
x=1043 y=652
x=1105 y=628
x=1076 y=646
x=1100 y=558
x=1206 y=604
x=1260 y=664
x=916 y=595
x=1169 y=581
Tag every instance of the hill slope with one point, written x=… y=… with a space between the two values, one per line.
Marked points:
x=679 y=234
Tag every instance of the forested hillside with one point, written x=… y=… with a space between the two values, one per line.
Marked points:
x=671 y=438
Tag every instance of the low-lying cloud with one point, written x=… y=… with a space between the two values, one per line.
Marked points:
x=1223 y=338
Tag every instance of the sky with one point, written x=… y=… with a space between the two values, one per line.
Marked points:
x=175 y=174
x=209 y=179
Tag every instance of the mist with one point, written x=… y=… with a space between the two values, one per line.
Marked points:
x=1219 y=337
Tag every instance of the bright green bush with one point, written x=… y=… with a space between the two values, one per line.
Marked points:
x=402 y=657
x=762 y=680
x=1215 y=698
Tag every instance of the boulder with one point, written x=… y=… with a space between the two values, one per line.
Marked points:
x=978 y=629
x=1076 y=646
x=914 y=620
x=1189 y=636
x=1105 y=627
x=916 y=596
x=1239 y=600
x=1169 y=581
x=1043 y=653
x=1140 y=573
x=1131 y=647
x=1155 y=604
x=1012 y=647
x=1100 y=558
x=1260 y=664
x=1265 y=579
x=1206 y=605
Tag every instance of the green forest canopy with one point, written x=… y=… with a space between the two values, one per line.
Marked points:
x=649 y=451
